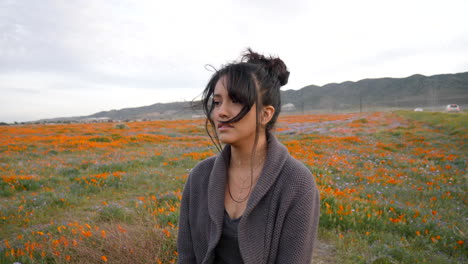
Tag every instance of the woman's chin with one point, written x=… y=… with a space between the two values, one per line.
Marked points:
x=225 y=139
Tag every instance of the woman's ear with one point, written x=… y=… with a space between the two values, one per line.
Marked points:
x=267 y=114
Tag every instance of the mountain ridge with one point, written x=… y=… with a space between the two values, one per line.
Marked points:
x=416 y=90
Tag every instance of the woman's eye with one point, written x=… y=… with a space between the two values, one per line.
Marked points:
x=235 y=101
x=216 y=103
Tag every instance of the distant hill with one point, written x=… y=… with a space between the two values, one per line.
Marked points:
x=414 y=91
x=368 y=94
x=155 y=111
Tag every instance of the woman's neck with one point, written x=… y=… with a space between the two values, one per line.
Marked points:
x=241 y=155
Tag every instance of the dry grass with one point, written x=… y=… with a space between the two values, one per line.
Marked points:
x=123 y=243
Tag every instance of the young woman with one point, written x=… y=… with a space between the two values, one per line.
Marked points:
x=252 y=203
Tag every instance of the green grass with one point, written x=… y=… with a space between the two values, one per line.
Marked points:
x=453 y=123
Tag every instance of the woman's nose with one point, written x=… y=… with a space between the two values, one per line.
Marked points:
x=223 y=110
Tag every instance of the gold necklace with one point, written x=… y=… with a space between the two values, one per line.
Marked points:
x=251 y=183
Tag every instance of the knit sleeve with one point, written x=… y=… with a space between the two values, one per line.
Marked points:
x=185 y=250
x=300 y=230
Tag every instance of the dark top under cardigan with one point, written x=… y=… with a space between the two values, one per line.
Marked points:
x=227 y=250
x=279 y=224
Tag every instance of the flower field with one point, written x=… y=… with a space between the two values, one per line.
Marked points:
x=393 y=187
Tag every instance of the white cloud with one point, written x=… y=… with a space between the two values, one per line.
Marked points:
x=130 y=53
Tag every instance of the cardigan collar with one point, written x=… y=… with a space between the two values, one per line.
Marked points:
x=277 y=154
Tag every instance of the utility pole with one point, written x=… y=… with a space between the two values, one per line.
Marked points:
x=360 y=103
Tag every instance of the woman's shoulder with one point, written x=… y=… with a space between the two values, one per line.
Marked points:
x=202 y=169
x=295 y=170
x=298 y=175
x=205 y=164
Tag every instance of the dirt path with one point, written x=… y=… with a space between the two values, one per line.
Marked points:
x=324 y=253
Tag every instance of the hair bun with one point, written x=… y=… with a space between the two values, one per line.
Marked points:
x=274 y=66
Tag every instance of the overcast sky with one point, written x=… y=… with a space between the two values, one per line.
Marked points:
x=70 y=58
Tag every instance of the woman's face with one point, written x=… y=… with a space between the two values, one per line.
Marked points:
x=238 y=133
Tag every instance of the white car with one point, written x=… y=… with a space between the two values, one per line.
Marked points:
x=452 y=108
x=419 y=109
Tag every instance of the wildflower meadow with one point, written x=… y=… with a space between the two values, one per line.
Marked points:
x=393 y=187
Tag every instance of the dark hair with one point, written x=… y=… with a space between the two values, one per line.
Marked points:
x=255 y=79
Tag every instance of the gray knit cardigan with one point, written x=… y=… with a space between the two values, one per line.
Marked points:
x=279 y=224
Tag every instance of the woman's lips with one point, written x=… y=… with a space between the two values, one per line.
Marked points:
x=223 y=126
